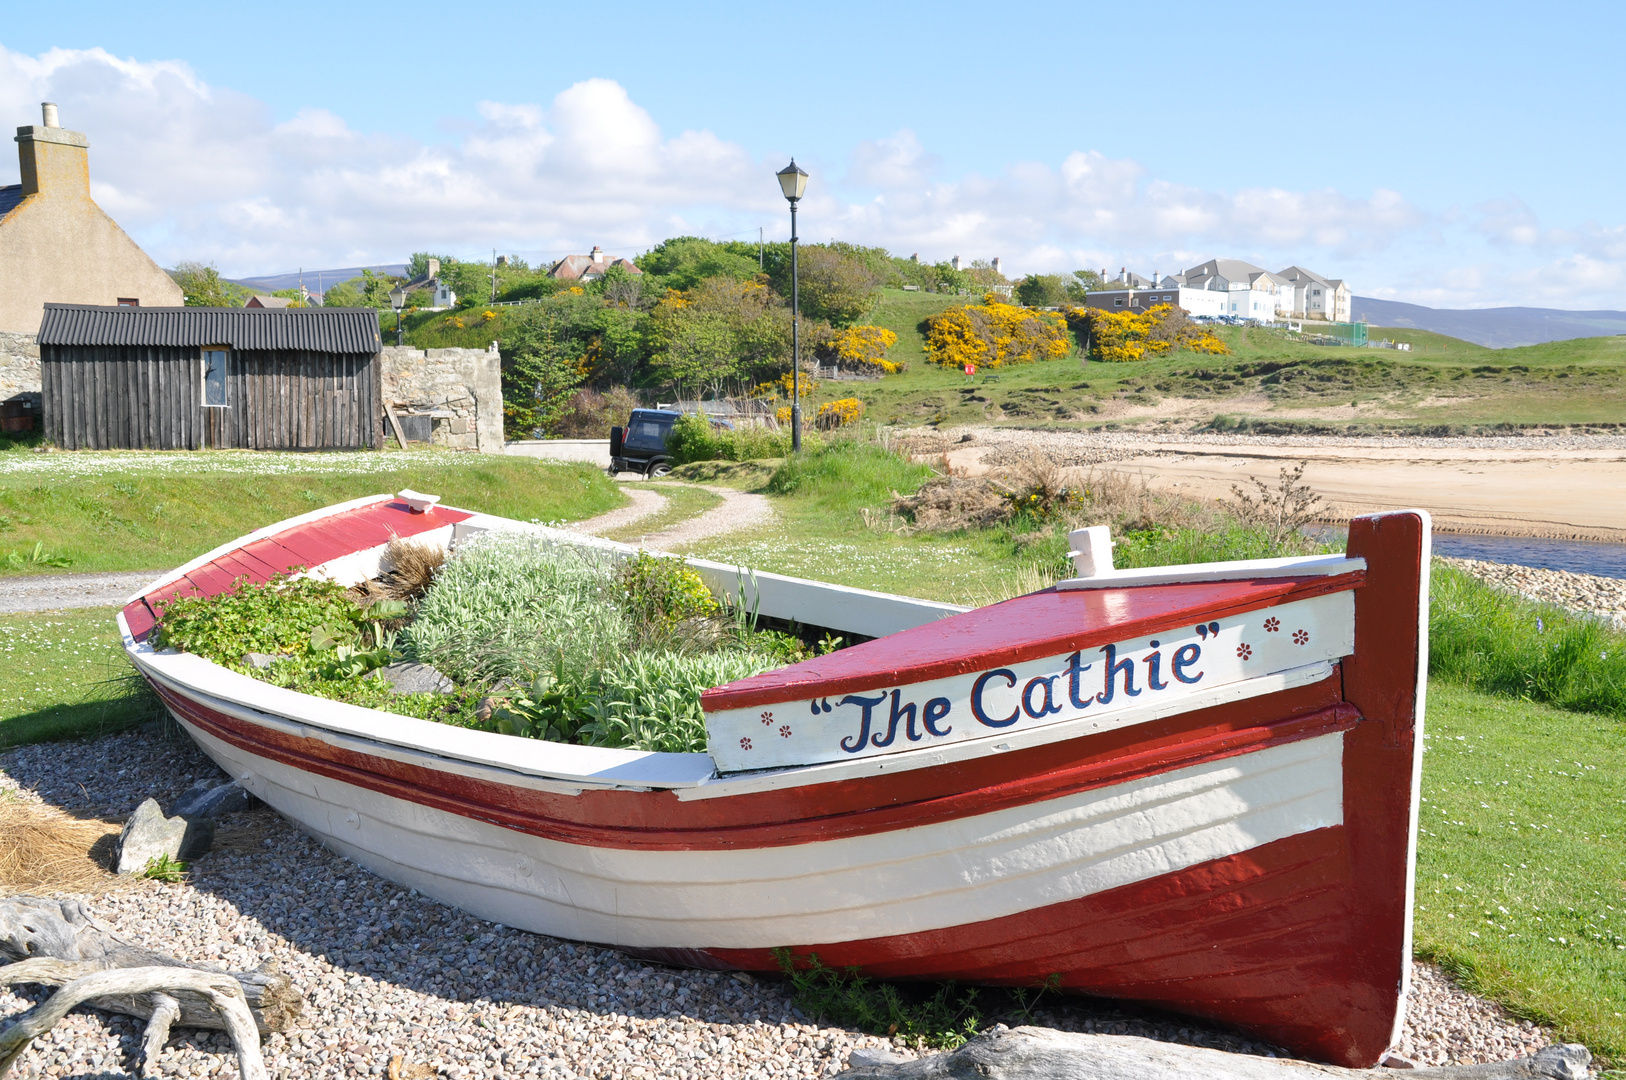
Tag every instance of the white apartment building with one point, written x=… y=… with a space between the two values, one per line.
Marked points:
x=1316 y=297
x=1231 y=288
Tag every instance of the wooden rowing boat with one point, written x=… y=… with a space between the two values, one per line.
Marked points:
x=1193 y=787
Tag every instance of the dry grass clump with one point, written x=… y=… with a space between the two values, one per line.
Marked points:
x=1036 y=490
x=405 y=572
x=44 y=850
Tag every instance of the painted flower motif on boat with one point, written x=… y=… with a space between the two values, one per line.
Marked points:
x=745 y=744
x=784 y=731
x=1301 y=637
x=1244 y=650
x=1272 y=625
x=767 y=718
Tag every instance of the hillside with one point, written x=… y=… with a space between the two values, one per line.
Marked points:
x=1496 y=328
x=1269 y=383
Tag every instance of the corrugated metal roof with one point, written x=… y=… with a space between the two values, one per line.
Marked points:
x=327 y=330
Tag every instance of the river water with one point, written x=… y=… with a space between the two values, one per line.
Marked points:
x=1576 y=556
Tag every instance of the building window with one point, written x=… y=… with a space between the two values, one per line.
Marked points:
x=1316 y=292
x=129 y=301
x=1118 y=302
x=214 y=378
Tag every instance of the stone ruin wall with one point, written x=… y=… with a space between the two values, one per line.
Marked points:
x=460 y=389
x=20 y=369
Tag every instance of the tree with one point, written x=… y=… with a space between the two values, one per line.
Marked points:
x=542 y=365
x=1084 y=281
x=342 y=295
x=418 y=265
x=683 y=262
x=835 y=285
x=201 y=285
x=375 y=289
x=1042 y=290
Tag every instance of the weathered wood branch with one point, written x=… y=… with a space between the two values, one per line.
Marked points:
x=223 y=993
x=1031 y=1053
x=56 y=942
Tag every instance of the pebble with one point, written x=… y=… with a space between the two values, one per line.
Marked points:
x=1585 y=593
x=389 y=973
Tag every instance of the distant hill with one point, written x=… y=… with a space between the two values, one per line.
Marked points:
x=1497 y=328
x=315 y=280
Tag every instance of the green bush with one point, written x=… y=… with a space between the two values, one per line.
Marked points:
x=695 y=438
x=1498 y=643
x=277 y=617
x=516 y=605
x=847 y=474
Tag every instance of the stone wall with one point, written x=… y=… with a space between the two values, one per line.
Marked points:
x=20 y=369
x=460 y=390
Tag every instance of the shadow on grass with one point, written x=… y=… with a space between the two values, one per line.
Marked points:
x=114 y=704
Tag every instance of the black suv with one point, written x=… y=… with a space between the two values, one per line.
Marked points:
x=641 y=446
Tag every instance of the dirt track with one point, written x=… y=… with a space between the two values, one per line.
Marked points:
x=1564 y=487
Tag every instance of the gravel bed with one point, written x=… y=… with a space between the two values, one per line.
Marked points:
x=1586 y=593
x=388 y=973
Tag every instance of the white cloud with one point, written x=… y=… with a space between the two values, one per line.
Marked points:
x=199 y=171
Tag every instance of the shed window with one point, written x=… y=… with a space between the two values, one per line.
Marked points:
x=214 y=378
x=1119 y=302
x=129 y=301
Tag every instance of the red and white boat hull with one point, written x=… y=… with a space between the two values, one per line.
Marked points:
x=1244 y=856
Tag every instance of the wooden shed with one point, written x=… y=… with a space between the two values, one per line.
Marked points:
x=191 y=378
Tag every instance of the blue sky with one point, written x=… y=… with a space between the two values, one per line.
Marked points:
x=1450 y=154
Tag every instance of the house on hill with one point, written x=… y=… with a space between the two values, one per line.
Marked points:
x=1316 y=297
x=440 y=293
x=57 y=245
x=589 y=267
x=270 y=303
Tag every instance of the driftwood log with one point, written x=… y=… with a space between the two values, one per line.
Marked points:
x=1031 y=1053
x=223 y=993
x=58 y=943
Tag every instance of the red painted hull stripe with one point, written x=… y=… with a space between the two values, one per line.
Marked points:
x=1048 y=623
x=657 y=820
x=1260 y=939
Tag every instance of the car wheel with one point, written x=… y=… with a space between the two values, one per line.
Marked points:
x=658 y=469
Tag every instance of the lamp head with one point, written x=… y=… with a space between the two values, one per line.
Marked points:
x=792 y=181
x=398 y=297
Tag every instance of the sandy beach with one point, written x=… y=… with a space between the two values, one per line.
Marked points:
x=1559 y=486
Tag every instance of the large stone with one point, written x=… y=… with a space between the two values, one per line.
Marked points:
x=413 y=678
x=209 y=799
x=148 y=835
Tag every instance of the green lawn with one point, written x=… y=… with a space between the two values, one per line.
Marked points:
x=112 y=511
x=1443 y=383
x=63 y=675
x=1521 y=882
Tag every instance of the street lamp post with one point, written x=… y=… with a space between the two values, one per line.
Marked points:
x=793 y=182
x=398 y=301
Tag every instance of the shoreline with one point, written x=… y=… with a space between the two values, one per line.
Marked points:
x=1538 y=487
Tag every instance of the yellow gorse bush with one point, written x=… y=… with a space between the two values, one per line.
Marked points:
x=995 y=333
x=1123 y=336
x=834 y=414
x=488 y=315
x=865 y=346
x=782 y=386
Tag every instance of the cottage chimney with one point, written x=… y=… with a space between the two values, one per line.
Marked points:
x=598 y=254
x=433 y=269
x=996 y=264
x=52 y=159
x=915 y=257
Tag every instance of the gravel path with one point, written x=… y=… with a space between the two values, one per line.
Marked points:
x=387 y=972
x=1605 y=596
x=57 y=592
x=645 y=503
x=740 y=510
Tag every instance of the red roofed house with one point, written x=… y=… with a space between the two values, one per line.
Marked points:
x=589 y=267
